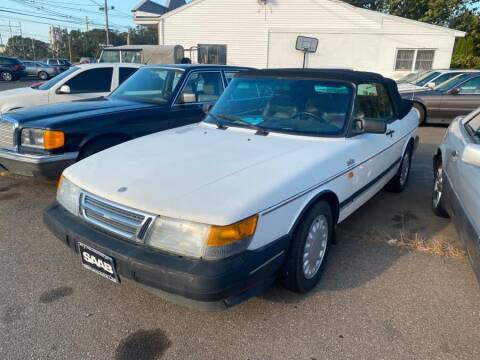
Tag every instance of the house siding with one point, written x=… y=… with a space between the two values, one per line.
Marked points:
x=264 y=36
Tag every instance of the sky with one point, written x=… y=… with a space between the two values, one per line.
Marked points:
x=32 y=17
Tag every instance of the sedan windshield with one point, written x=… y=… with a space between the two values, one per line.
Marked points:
x=52 y=82
x=450 y=84
x=306 y=107
x=412 y=78
x=150 y=85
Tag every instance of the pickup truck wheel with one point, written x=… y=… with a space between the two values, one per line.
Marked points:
x=6 y=76
x=400 y=180
x=43 y=75
x=438 y=194
x=309 y=249
x=98 y=145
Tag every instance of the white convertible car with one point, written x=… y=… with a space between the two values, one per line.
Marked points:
x=209 y=214
x=80 y=82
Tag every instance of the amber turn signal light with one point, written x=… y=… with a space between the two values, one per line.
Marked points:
x=53 y=139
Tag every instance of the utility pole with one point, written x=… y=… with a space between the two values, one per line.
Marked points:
x=21 y=38
x=69 y=45
x=33 y=49
x=105 y=8
x=86 y=22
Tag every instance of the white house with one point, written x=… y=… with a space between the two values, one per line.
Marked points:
x=263 y=34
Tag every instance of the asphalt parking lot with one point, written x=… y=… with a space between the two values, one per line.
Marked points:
x=7 y=85
x=375 y=301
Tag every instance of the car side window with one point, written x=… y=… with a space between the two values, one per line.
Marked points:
x=229 y=75
x=124 y=73
x=202 y=87
x=470 y=87
x=90 y=81
x=373 y=102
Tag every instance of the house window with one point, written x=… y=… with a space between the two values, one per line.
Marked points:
x=212 y=54
x=414 y=60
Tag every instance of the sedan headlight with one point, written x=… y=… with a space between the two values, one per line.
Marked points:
x=68 y=195
x=200 y=240
x=42 y=139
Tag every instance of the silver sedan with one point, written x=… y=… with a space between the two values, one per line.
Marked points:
x=456 y=190
x=41 y=70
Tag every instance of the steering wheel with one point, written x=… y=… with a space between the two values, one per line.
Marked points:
x=308 y=114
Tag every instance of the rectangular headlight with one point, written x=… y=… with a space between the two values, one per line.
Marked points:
x=68 y=195
x=42 y=139
x=198 y=240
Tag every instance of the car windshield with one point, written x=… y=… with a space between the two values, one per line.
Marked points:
x=424 y=80
x=450 y=84
x=52 y=82
x=150 y=85
x=413 y=77
x=305 y=107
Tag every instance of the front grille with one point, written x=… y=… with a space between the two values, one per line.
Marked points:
x=127 y=223
x=7 y=134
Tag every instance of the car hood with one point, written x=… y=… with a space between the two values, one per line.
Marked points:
x=71 y=110
x=204 y=174
x=19 y=91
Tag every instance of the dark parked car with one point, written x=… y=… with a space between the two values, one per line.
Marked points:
x=41 y=70
x=42 y=141
x=457 y=97
x=456 y=193
x=11 y=68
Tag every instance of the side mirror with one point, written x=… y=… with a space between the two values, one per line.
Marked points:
x=206 y=108
x=431 y=85
x=188 y=98
x=454 y=91
x=64 y=89
x=471 y=155
x=370 y=126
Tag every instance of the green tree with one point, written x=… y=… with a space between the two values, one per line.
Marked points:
x=26 y=48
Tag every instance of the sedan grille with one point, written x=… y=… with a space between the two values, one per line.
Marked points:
x=126 y=223
x=7 y=134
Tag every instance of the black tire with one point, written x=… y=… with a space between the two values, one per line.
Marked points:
x=42 y=75
x=95 y=146
x=400 y=180
x=438 y=200
x=293 y=276
x=422 y=113
x=6 y=76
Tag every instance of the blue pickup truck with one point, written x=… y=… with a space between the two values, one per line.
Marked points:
x=42 y=141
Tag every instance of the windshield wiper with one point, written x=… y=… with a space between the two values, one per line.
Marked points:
x=237 y=120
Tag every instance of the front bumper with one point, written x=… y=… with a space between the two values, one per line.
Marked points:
x=208 y=285
x=43 y=166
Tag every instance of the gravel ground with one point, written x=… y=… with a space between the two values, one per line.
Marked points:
x=375 y=301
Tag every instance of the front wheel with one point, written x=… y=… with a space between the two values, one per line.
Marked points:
x=43 y=75
x=438 y=194
x=309 y=249
x=6 y=76
x=422 y=116
x=400 y=180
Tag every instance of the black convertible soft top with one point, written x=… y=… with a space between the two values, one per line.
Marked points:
x=401 y=106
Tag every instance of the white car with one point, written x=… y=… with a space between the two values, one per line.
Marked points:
x=427 y=80
x=77 y=83
x=209 y=214
x=456 y=193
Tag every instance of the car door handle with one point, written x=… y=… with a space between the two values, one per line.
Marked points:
x=390 y=133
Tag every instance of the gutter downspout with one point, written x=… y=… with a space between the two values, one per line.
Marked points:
x=161 y=37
